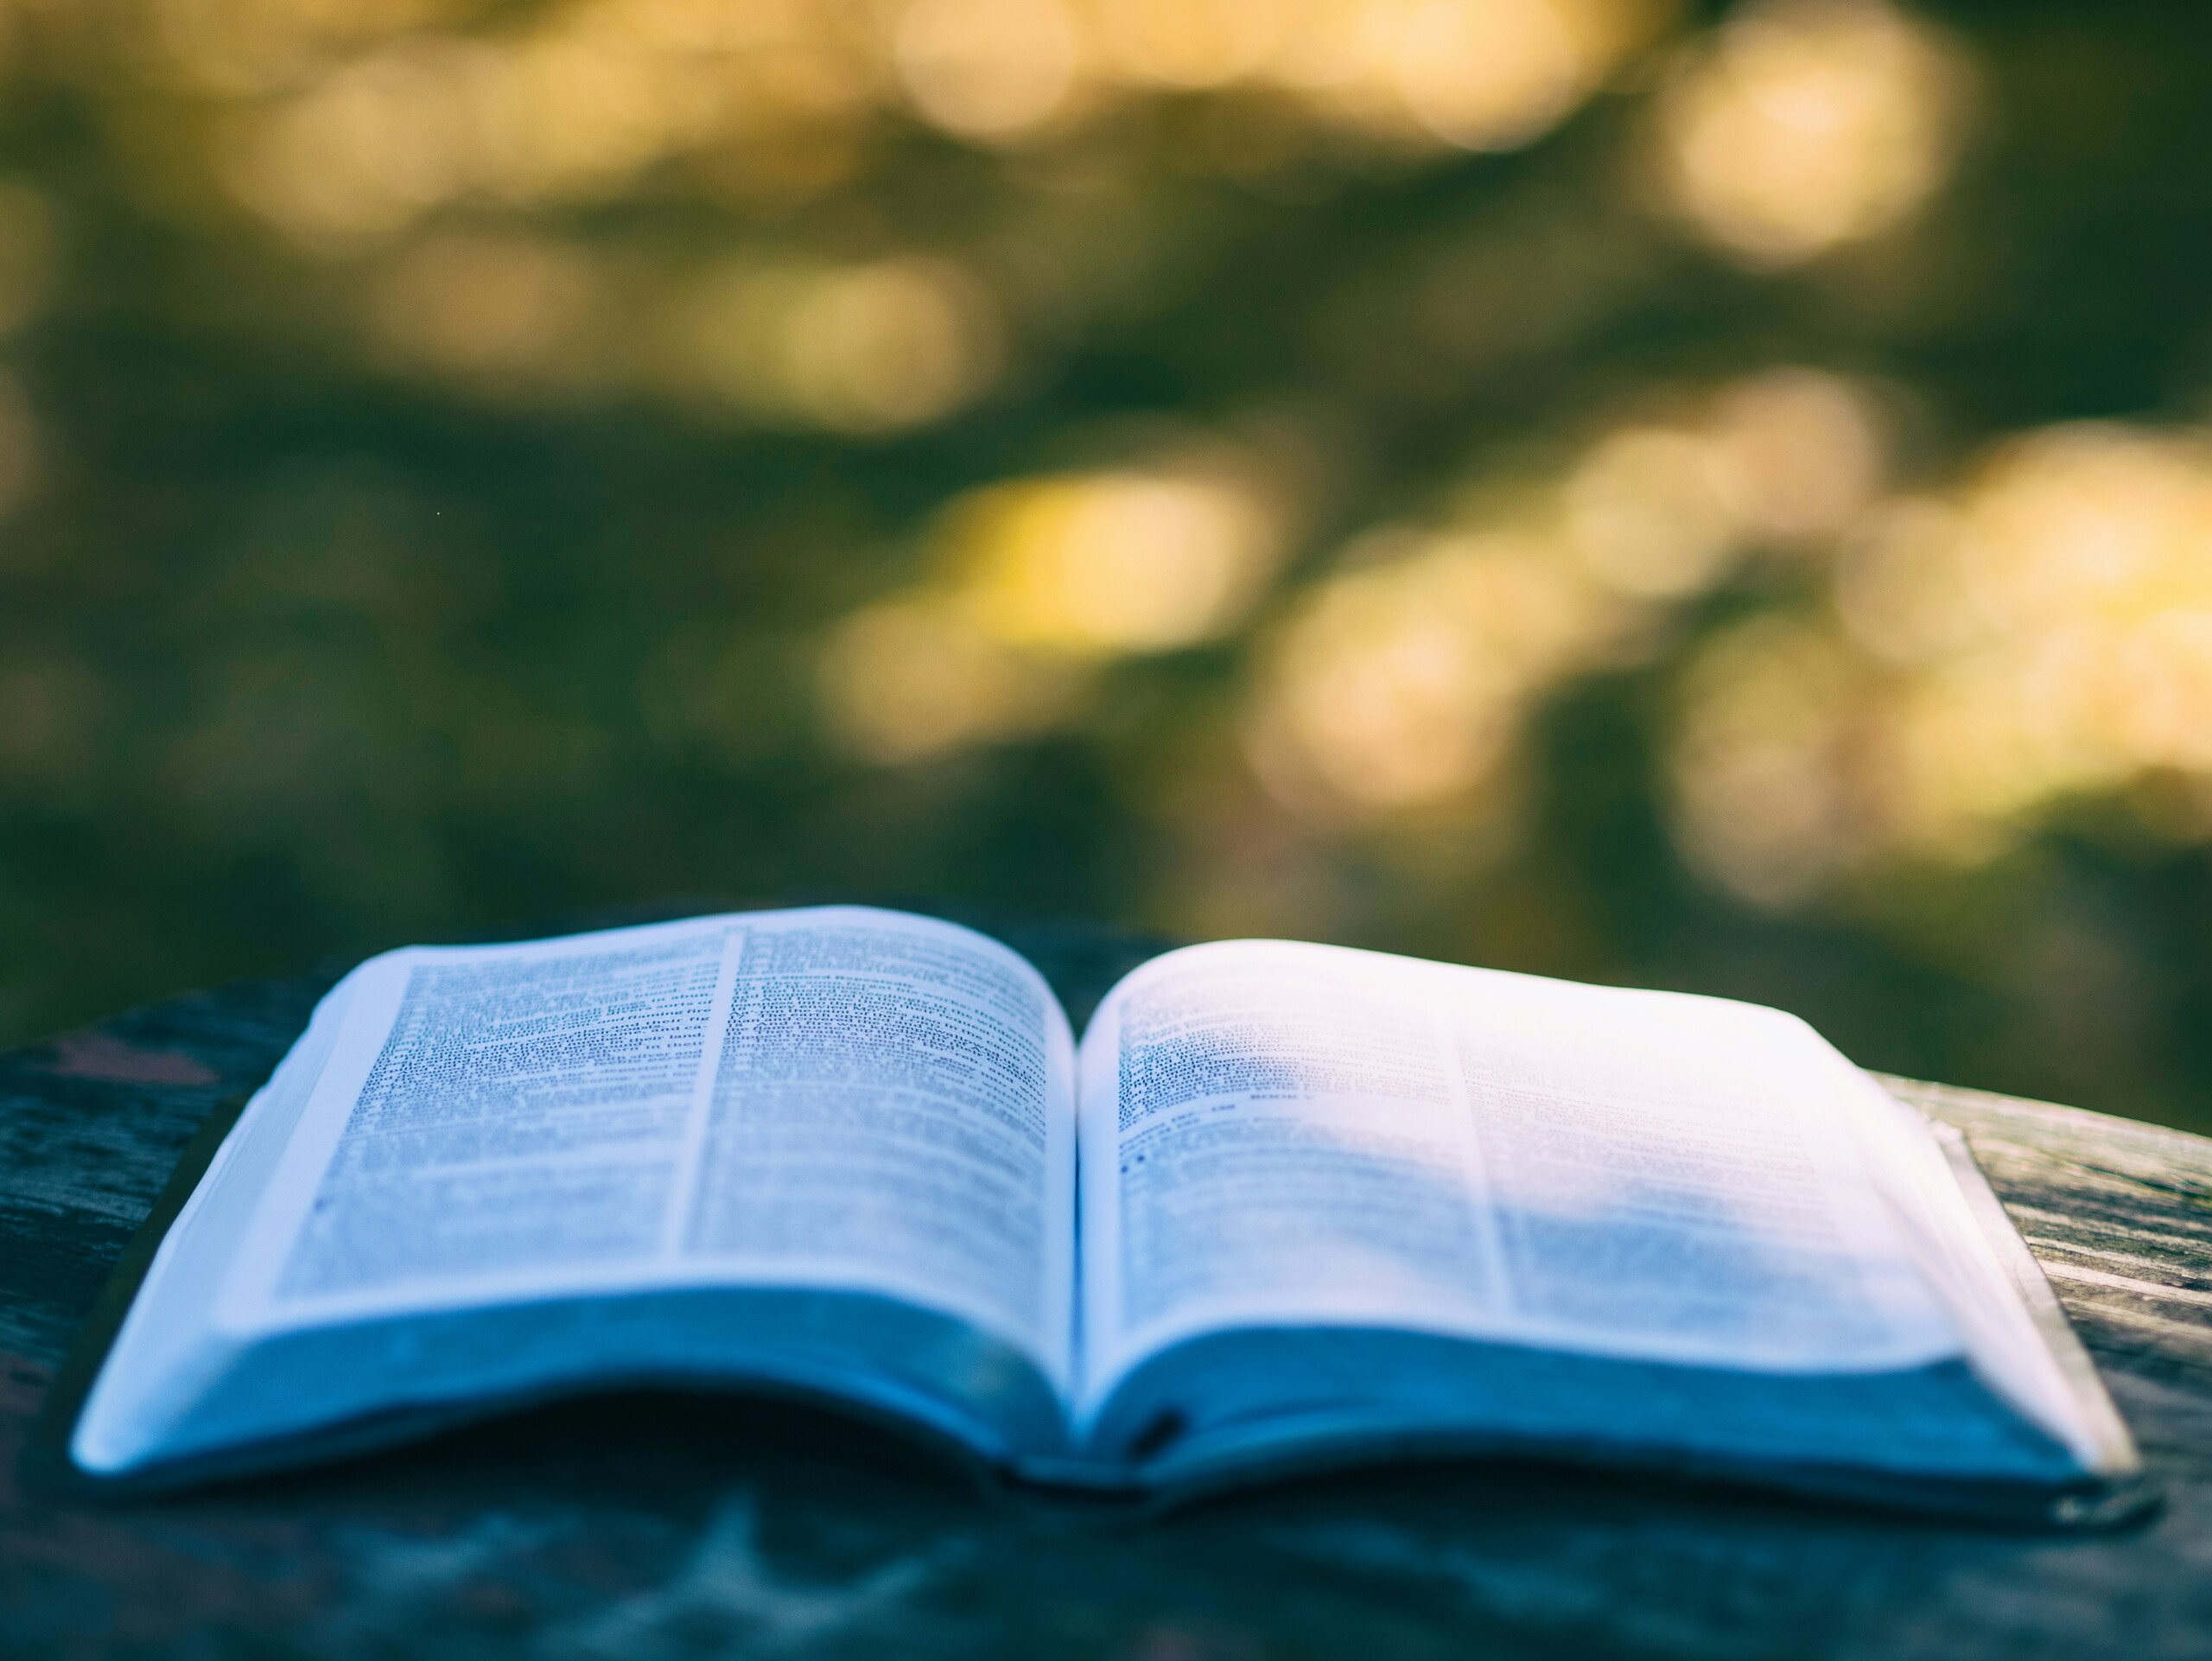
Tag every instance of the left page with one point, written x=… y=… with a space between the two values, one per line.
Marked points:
x=492 y=1169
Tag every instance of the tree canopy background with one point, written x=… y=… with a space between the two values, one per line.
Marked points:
x=1717 y=497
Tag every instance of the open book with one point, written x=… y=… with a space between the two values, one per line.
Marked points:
x=1285 y=1205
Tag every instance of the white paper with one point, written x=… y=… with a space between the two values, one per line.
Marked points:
x=893 y=1102
x=1281 y=1133
x=838 y=1097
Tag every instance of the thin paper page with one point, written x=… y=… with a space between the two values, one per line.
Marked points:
x=1285 y=1133
x=1275 y=1133
x=837 y=1097
x=1678 y=1175
x=895 y=1103
x=1989 y=1283
x=523 y=1116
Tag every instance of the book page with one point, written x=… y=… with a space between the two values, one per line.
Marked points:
x=893 y=1105
x=1283 y=1134
x=835 y=1097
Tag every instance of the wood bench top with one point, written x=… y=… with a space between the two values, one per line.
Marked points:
x=635 y=1528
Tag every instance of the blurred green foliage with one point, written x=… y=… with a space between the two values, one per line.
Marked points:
x=330 y=619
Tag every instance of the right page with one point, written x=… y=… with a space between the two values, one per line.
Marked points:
x=1280 y=1135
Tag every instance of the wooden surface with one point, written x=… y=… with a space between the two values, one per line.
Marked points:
x=643 y=1528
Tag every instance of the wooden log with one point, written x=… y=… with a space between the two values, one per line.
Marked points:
x=639 y=1527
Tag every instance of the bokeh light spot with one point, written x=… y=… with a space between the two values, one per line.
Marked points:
x=872 y=347
x=1114 y=562
x=916 y=676
x=1406 y=684
x=1490 y=74
x=1191 y=43
x=1646 y=511
x=2043 y=631
x=987 y=69
x=1762 y=794
x=1799 y=454
x=1810 y=123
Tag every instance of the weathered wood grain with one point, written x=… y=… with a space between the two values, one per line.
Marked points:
x=641 y=1528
